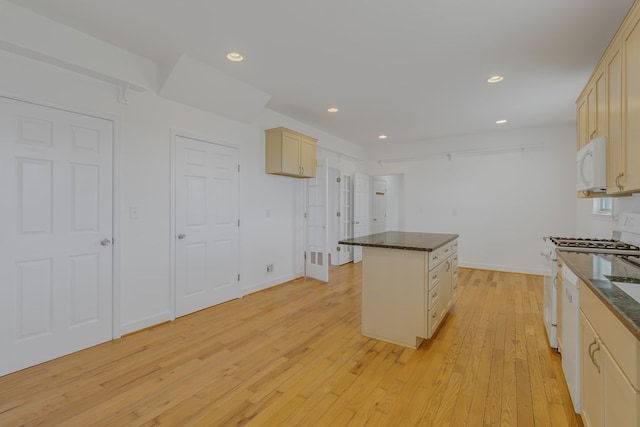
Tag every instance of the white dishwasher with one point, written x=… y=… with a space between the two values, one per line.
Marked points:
x=571 y=334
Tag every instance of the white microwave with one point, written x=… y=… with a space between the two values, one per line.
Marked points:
x=591 y=166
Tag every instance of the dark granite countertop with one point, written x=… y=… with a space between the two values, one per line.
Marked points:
x=402 y=240
x=594 y=270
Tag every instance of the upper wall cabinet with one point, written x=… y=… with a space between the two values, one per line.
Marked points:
x=609 y=106
x=630 y=178
x=592 y=109
x=290 y=153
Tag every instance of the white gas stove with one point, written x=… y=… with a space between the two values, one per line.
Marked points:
x=625 y=241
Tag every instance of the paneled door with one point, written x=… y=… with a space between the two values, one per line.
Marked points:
x=379 y=205
x=317 y=262
x=361 y=215
x=206 y=225
x=56 y=286
x=346 y=218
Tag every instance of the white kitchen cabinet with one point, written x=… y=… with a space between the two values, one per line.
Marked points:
x=407 y=293
x=610 y=370
x=443 y=269
x=290 y=153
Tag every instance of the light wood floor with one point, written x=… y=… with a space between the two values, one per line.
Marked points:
x=293 y=355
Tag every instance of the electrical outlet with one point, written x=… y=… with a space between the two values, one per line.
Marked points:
x=269 y=268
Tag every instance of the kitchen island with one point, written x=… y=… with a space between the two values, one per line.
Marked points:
x=409 y=281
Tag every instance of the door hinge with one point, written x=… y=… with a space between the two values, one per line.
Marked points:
x=338 y=248
x=238 y=223
x=305 y=255
x=305 y=215
x=238 y=277
x=238 y=168
x=338 y=214
x=338 y=179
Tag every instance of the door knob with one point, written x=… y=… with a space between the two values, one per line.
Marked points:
x=181 y=236
x=105 y=242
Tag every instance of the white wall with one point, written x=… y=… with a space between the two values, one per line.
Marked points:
x=501 y=192
x=270 y=206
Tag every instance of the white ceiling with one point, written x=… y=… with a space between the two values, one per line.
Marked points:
x=411 y=69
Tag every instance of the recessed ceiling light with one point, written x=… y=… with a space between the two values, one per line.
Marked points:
x=495 y=79
x=501 y=122
x=235 y=57
x=382 y=137
x=332 y=110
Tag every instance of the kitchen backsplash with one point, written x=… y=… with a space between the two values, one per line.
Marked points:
x=626 y=204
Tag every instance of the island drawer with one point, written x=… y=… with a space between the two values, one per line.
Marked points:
x=437 y=256
x=434 y=316
x=433 y=297
x=435 y=275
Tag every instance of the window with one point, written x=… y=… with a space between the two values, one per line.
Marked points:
x=603 y=206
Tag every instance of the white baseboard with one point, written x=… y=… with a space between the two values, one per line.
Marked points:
x=269 y=283
x=145 y=323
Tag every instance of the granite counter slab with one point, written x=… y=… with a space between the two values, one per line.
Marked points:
x=402 y=240
x=593 y=270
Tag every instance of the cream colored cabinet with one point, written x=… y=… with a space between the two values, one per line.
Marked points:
x=610 y=106
x=592 y=110
x=406 y=293
x=615 y=107
x=631 y=78
x=582 y=121
x=610 y=367
x=591 y=378
x=290 y=153
x=442 y=284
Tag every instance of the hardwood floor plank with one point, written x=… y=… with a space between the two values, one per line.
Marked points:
x=294 y=355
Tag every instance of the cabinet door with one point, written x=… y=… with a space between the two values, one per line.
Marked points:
x=447 y=291
x=307 y=157
x=592 y=111
x=600 y=88
x=615 y=151
x=631 y=46
x=621 y=401
x=591 y=378
x=454 y=276
x=559 y=293
x=583 y=123
x=291 y=153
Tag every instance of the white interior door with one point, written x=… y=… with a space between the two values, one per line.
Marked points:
x=361 y=216
x=317 y=263
x=346 y=218
x=334 y=215
x=56 y=195
x=206 y=225
x=379 y=206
